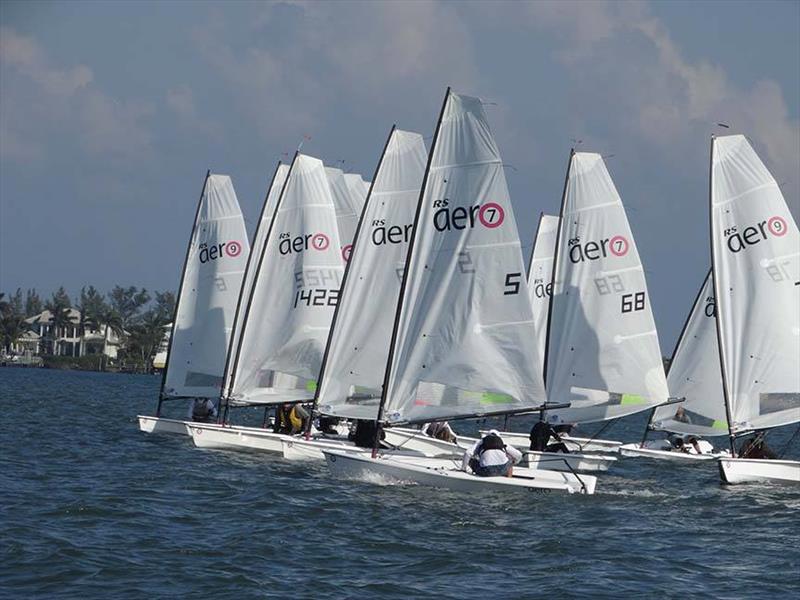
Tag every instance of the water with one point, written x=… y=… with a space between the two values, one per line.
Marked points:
x=93 y=508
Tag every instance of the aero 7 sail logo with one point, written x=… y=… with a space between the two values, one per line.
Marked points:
x=298 y=243
x=617 y=245
x=232 y=249
x=490 y=215
x=753 y=234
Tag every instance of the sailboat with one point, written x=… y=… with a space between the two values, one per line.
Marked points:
x=287 y=313
x=355 y=357
x=463 y=342
x=755 y=254
x=694 y=375
x=602 y=354
x=212 y=276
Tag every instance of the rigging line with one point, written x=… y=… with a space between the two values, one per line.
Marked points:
x=598 y=432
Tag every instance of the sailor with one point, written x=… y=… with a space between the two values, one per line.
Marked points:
x=202 y=410
x=757 y=448
x=440 y=430
x=290 y=419
x=364 y=433
x=491 y=457
x=540 y=435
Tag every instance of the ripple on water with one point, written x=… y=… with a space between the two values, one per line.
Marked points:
x=91 y=507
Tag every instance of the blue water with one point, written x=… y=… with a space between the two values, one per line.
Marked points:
x=92 y=508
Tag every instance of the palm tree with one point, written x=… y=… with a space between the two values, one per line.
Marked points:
x=59 y=320
x=112 y=321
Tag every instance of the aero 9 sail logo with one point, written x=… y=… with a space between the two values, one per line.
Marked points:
x=753 y=234
x=215 y=251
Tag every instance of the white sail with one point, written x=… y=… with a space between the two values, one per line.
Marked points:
x=212 y=278
x=694 y=374
x=358 y=189
x=464 y=342
x=259 y=239
x=540 y=276
x=294 y=294
x=348 y=209
x=359 y=345
x=603 y=355
x=756 y=259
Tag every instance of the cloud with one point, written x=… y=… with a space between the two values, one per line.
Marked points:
x=657 y=94
x=181 y=101
x=41 y=101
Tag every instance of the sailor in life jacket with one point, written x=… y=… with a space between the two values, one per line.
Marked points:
x=202 y=410
x=491 y=457
x=290 y=419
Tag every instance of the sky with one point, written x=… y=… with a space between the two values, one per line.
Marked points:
x=111 y=113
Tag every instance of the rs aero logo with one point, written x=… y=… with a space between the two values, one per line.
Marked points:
x=490 y=215
x=215 y=251
x=617 y=245
x=314 y=241
x=753 y=234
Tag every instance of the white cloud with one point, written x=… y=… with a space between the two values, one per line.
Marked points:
x=660 y=95
x=44 y=101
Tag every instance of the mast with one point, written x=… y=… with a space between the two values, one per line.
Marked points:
x=718 y=301
x=344 y=280
x=161 y=396
x=399 y=309
x=222 y=395
x=533 y=246
x=255 y=280
x=553 y=275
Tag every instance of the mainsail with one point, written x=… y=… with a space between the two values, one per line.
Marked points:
x=463 y=342
x=603 y=354
x=755 y=249
x=212 y=278
x=355 y=364
x=292 y=299
x=540 y=276
x=694 y=374
x=259 y=239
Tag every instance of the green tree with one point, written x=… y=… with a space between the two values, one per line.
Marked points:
x=12 y=320
x=92 y=306
x=111 y=320
x=127 y=302
x=58 y=306
x=33 y=304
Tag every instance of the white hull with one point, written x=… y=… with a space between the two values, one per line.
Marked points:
x=236 y=438
x=558 y=461
x=633 y=450
x=416 y=441
x=442 y=474
x=574 y=444
x=747 y=470
x=162 y=425
x=302 y=449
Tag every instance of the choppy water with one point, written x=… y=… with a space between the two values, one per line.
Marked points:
x=92 y=508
